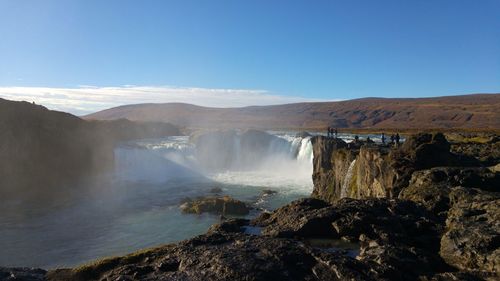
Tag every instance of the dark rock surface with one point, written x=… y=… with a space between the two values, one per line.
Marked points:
x=215 y=205
x=22 y=274
x=394 y=234
x=431 y=187
x=472 y=239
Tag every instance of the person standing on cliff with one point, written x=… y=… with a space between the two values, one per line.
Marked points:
x=383 y=138
x=336 y=132
x=328 y=132
x=392 y=138
x=397 y=139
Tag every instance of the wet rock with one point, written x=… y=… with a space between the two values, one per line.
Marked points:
x=22 y=273
x=472 y=239
x=216 y=205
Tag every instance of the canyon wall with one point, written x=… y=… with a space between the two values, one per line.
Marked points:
x=367 y=170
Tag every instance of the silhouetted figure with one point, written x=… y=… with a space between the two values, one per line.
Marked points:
x=397 y=138
x=356 y=139
x=368 y=140
x=392 y=138
x=329 y=130
x=383 y=138
x=336 y=132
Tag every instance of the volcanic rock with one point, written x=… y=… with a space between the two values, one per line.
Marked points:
x=216 y=205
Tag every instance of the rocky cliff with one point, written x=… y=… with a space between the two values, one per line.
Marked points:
x=359 y=170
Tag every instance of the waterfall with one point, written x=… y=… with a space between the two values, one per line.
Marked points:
x=173 y=157
x=347 y=179
x=305 y=150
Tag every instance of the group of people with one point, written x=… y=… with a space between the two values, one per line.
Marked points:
x=331 y=132
x=395 y=138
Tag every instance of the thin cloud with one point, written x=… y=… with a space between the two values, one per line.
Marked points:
x=88 y=99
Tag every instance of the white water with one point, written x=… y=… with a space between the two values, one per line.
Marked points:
x=347 y=180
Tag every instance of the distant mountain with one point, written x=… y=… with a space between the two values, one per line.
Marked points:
x=477 y=111
x=41 y=148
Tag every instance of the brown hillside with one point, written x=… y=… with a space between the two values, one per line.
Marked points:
x=478 y=111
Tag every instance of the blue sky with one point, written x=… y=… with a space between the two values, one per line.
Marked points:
x=292 y=50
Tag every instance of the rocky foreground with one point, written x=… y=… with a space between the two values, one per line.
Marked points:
x=420 y=211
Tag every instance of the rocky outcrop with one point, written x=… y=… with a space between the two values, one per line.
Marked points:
x=216 y=205
x=455 y=191
x=332 y=158
x=377 y=170
x=472 y=239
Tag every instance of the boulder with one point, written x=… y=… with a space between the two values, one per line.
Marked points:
x=306 y=217
x=216 y=205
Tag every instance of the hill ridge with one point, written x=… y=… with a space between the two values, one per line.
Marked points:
x=473 y=111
